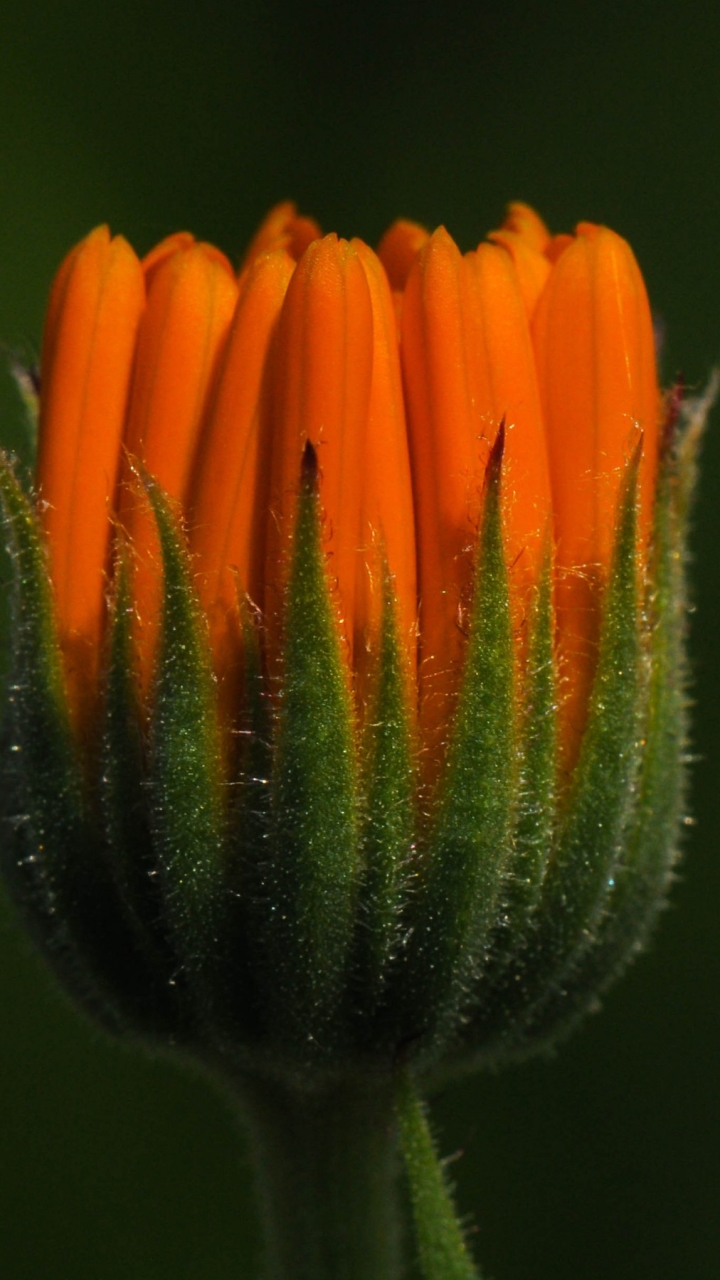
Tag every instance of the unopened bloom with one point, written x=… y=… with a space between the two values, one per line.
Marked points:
x=347 y=693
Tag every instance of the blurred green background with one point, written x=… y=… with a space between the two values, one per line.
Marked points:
x=158 y=115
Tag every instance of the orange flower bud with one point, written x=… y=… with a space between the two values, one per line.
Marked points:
x=595 y=355
x=228 y=502
x=386 y=461
x=399 y=369
x=189 y=309
x=322 y=380
x=93 y=314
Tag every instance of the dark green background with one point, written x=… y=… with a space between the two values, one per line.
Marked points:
x=601 y=1165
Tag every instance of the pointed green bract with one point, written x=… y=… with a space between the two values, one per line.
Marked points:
x=469 y=845
x=312 y=877
x=589 y=843
x=44 y=769
x=56 y=865
x=650 y=841
x=536 y=801
x=652 y=836
x=185 y=773
x=123 y=792
x=389 y=811
x=124 y=803
x=580 y=875
x=253 y=757
x=258 y=721
x=443 y=1254
x=25 y=374
x=534 y=829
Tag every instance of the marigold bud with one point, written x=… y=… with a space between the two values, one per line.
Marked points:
x=378 y=751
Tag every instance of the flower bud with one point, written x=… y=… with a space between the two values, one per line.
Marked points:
x=378 y=755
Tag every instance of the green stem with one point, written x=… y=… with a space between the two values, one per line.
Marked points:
x=327 y=1166
x=444 y=1254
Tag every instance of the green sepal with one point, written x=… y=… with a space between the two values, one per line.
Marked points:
x=589 y=843
x=185 y=777
x=258 y=719
x=389 y=816
x=643 y=873
x=653 y=834
x=124 y=794
x=536 y=804
x=54 y=860
x=462 y=878
x=536 y=814
x=253 y=757
x=311 y=878
x=443 y=1253
x=44 y=773
x=249 y=830
x=25 y=374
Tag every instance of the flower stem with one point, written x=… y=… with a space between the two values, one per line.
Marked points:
x=327 y=1165
x=443 y=1252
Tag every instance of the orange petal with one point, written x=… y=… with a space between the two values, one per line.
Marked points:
x=526 y=223
x=504 y=382
x=322 y=381
x=532 y=266
x=596 y=366
x=92 y=321
x=229 y=500
x=58 y=294
x=165 y=249
x=468 y=363
x=557 y=246
x=448 y=456
x=387 y=529
x=399 y=248
x=283 y=228
x=189 y=309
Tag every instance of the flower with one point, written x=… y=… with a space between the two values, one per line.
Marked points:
x=351 y=695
